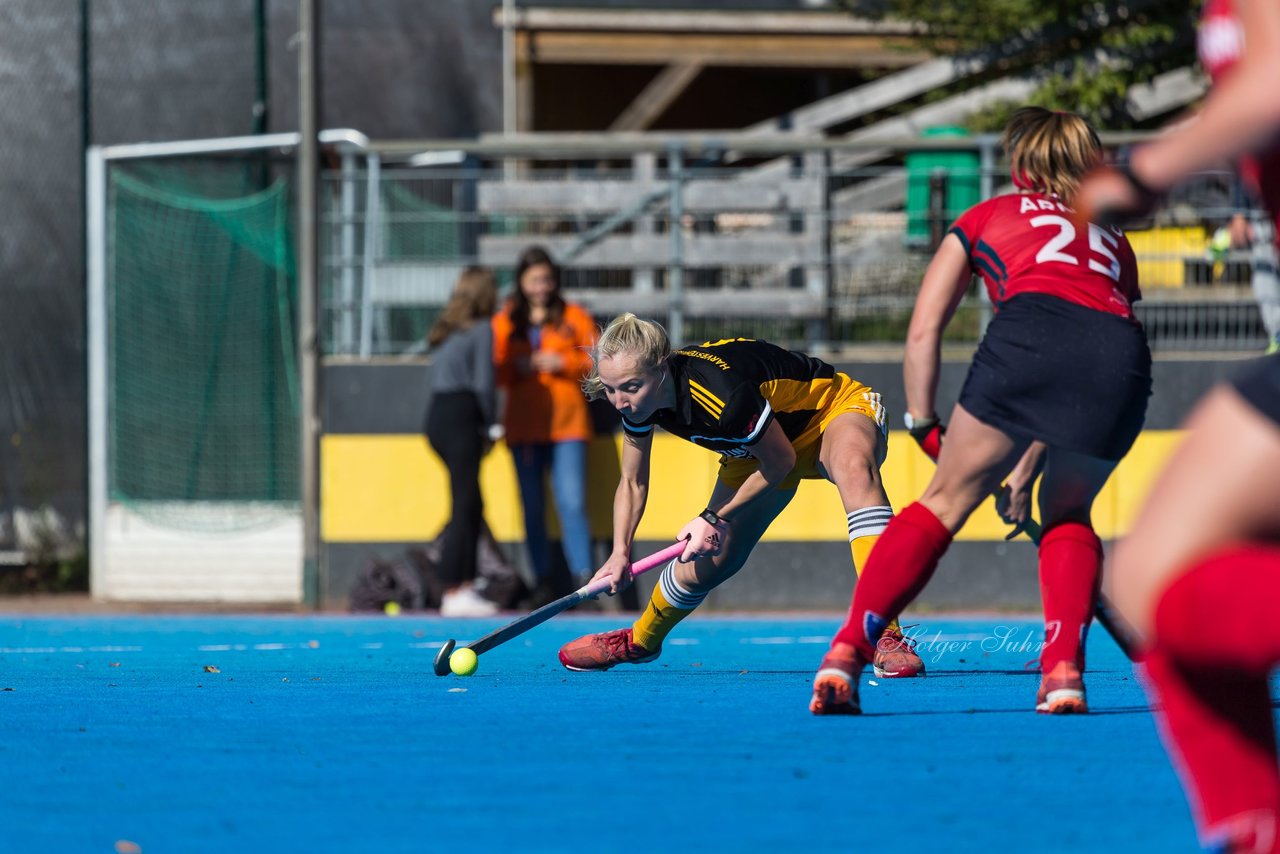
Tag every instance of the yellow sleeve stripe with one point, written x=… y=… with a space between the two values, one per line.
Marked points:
x=706 y=393
x=701 y=400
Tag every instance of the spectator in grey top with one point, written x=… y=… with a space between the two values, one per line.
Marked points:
x=460 y=424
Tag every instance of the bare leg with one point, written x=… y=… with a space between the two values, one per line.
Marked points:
x=1220 y=486
x=749 y=525
x=852 y=446
x=1198 y=575
x=975 y=459
x=1069 y=485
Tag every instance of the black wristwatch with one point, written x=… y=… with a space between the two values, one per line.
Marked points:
x=713 y=518
x=919 y=428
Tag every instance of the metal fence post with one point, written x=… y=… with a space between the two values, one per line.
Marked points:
x=346 y=331
x=372 y=208
x=818 y=272
x=987 y=164
x=644 y=171
x=987 y=188
x=308 y=258
x=675 y=275
x=939 y=206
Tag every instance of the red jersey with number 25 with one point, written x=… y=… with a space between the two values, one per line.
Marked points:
x=1030 y=243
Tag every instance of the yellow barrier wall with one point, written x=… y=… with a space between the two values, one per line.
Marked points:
x=1162 y=253
x=392 y=488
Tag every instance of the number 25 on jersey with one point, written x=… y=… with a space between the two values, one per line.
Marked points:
x=1102 y=243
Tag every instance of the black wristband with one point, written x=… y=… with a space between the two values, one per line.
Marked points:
x=711 y=517
x=921 y=429
x=1139 y=186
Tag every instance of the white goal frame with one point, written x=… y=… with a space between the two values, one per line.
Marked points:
x=130 y=557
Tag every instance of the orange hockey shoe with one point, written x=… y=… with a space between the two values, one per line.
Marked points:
x=835 y=687
x=605 y=650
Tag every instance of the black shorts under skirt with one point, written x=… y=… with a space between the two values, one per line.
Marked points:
x=1069 y=376
x=1259 y=383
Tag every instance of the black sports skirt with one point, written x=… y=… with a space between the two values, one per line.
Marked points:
x=1069 y=376
x=1259 y=383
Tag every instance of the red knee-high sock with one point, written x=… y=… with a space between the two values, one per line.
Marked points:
x=899 y=567
x=1224 y=610
x=1070 y=575
x=1216 y=640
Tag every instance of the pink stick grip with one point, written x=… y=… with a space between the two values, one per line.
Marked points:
x=643 y=565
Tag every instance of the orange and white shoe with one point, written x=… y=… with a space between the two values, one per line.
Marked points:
x=896 y=657
x=835 y=687
x=605 y=650
x=1062 y=691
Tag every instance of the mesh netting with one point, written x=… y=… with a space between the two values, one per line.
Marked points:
x=417 y=228
x=202 y=378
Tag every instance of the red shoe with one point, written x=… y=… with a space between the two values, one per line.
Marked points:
x=835 y=687
x=602 y=651
x=1062 y=691
x=896 y=657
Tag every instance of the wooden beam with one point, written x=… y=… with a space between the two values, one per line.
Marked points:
x=711 y=195
x=744 y=249
x=524 y=84
x=661 y=92
x=751 y=51
x=876 y=95
x=674 y=21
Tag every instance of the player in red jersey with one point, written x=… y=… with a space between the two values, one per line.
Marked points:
x=1199 y=574
x=1059 y=384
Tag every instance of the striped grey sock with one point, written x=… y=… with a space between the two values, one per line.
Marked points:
x=869 y=521
x=675 y=594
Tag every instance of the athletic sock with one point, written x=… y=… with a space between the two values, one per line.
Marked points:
x=1224 y=610
x=901 y=565
x=668 y=605
x=865 y=527
x=1216 y=640
x=1070 y=578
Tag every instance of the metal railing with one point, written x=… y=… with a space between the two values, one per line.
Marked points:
x=807 y=241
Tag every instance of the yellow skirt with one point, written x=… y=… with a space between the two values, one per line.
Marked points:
x=844 y=394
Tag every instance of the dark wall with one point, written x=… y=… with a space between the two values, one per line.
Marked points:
x=41 y=322
x=165 y=70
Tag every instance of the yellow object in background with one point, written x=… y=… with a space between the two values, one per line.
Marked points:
x=1162 y=254
x=392 y=488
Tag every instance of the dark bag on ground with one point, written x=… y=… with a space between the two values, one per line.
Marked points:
x=497 y=579
x=382 y=581
x=414 y=581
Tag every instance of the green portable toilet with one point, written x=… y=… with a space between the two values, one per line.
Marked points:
x=962 y=182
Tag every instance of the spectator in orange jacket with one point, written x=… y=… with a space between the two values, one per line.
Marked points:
x=541 y=352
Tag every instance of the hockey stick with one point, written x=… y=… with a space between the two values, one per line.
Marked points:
x=546 y=612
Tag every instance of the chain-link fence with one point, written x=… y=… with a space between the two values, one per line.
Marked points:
x=805 y=242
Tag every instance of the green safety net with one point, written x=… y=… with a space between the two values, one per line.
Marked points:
x=203 y=428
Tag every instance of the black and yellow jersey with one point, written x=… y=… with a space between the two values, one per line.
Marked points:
x=729 y=392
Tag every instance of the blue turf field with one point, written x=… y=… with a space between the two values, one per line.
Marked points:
x=332 y=734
